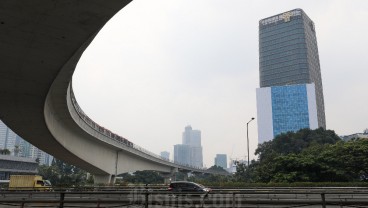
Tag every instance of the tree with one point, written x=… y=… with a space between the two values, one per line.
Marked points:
x=61 y=173
x=244 y=173
x=349 y=159
x=339 y=162
x=217 y=169
x=16 y=150
x=5 y=152
x=308 y=155
x=50 y=173
x=296 y=142
x=143 y=177
x=205 y=178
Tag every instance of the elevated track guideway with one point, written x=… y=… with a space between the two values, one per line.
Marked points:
x=41 y=42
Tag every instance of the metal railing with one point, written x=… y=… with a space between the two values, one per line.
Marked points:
x=119 y=139
x=219 y=198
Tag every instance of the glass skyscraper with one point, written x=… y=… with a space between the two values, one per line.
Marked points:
x=190 y=152
x=19 y=147
x=285 y=108
x=288 y=57
x=221 y=160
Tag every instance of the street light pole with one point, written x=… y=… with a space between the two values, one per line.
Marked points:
x=248 y=139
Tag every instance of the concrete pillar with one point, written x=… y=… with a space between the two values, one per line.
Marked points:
x=102 y=179
x=185 y=176
x=113 y=179
x=167 y=180
x=185 y=173
x=168 y=177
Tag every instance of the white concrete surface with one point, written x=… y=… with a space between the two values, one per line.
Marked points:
x=41 y=42
x=264 y=114
x=312 y=106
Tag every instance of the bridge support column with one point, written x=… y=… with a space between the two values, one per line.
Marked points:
x=167 y=180
x=103 y=179
x=168 y=177
x=113 y=180
x=185 y=174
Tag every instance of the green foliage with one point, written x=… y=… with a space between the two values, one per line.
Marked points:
x=245 y=174
x=308 y=156
x=143 y=177
x=4 y=152
x=217 y=169
x=343 y=161
x=204 y=178
x=16 y=150
x=63 y=174
x=179 y=176
x=210 y=179
x=291 y=142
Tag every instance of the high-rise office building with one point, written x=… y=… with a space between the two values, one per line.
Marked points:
x=290 y=96
x=221 y=160
x=196 y=156
x=285 y=108
x=8 y=139
x=43 y=157
x=21 y=148
x=3 y=134
x=165 y=154
x=190 y=151
x=182 y=154
x=191 y=137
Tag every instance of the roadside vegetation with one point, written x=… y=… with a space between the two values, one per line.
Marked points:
x=306 y=158
x=64 y=175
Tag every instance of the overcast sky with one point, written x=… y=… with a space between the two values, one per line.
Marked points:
x=160 y=65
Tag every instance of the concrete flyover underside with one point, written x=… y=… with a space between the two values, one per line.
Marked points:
x=41 y=42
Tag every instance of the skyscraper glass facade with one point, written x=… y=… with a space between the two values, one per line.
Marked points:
x=190 y=152
x=285 y=108
x=221 y=160
x=19 y=147
x=288 y=54
x=289 y=108
x=182 y=154
x=165 y=154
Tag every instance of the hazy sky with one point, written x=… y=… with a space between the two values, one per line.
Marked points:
x=160 y=65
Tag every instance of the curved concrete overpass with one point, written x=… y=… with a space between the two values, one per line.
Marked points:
x=41 y=42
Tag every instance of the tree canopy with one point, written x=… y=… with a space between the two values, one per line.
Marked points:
x=143 y=177
x=63 y=174
x=308 y=156
x=4 y=152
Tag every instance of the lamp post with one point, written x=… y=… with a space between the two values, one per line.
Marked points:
x=248 y=139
